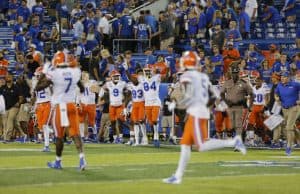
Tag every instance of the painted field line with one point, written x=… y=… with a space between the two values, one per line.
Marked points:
x=151 y=180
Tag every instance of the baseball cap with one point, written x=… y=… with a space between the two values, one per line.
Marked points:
x=285 y=74
x=229 y=43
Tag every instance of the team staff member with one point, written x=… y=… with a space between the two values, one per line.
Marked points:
x=13 y=99
x=287 y=92
x=234 y=93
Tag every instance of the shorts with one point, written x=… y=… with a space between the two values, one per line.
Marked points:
x=152 y=114
x=87 y=111
x=116 y=113
x=138 y=112
x=42 y=112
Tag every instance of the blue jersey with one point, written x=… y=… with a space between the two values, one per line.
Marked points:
x=62 y=9
x=119 y=6
x=210 y=11
x=279 y=67
x=275 y=15
x=218 y=68
x=289 y=93
x=24 y=12
x=17 y=28
x=33 y=31
x=115 y=27
x=142 y=30
x=126 y=23
x=292 y=11
x=202 y=21
x=193 y=26
x=20 y=39
x=38 y=10
x=171 y=62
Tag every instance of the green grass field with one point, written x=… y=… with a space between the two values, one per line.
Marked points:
x=128 y=170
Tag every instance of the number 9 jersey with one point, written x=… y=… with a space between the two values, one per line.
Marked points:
x=115 y=92
x=151 y=90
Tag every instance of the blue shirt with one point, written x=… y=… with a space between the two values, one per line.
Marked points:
x=216 y=6
x=119 y=6
x=127 y=26
x=292 y=11
x=24 y=12
x=21 y=42
x=210 y=11
x=243 y=17
x=266 y=75
x=288 y=93
x=34 y=31
x=17 y=28
x=152 y=22
x=275 y=16
x=218 y=68
x=38 y=10
x=142 y=30
x=62 y=9
x=115 y=27
x=202 y=21
x=278 y=67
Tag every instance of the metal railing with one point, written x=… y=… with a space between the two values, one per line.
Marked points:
x=116 y=44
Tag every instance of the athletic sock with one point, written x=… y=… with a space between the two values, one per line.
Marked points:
x=46 y=136
x=185 y=155
x=81 y=129
x=214 y=144
x=156 y=135
x=136 y=133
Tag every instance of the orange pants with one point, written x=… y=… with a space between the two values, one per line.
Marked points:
x=152 y=114
x=115 y=112
x=255 y=117
x=138 y=111
x=195 y=131
x=73 y=120
x=89 y=111
x=42 y=114
x=220 y=120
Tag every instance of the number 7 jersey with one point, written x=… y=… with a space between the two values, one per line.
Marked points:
x=64 y=84
x=151 y=90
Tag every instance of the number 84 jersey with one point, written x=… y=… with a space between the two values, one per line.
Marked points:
x=151 y=90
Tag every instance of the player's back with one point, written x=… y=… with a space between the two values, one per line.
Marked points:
x=197 y=93
x=64 y=84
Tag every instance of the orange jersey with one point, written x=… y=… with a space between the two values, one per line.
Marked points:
x=228 y=60
x=3 y=67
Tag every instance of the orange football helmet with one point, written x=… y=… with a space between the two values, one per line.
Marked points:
x=58 y=58
x=189 y=60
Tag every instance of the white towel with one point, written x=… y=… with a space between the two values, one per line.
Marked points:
x=64 y=121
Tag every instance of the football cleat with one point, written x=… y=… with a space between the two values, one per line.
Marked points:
x=130 y=142
x=172 y=180
x=82 y=164
x=46 y=149
x=239 y=145
x=55 y=165
x=156 y=143
x=288 y=151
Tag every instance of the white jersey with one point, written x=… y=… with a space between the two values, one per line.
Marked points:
x=151 y=90
x=43 y=95
x=222 y=106
x=88 y=97
x=260 y=94
x=116 y=95
x=137 y=93
x=64 y=84
x=196 y=93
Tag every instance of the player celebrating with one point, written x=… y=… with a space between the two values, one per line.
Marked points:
x=87 y=109
x=42 y=108
x=138 y=109
x=116 y=88
x=150 y=85
x=198 y=95
x=64 y=81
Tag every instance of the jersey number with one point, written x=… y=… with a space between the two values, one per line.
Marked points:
x=258 y=98
x=69 y=81
x=86 y=92
x=152 y=86
x=137 y=94
x=115 y=92
x=41 y=94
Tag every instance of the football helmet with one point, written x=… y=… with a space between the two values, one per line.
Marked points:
x=189 y=60
x=58 y=58
x=115 y=76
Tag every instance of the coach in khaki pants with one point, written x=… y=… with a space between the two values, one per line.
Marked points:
x=287 y=92
x=13 y=100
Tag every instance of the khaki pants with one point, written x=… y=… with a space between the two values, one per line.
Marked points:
x=290 y=116
x=279 y=132
x=104 y=126
x=236 y=114
x=165 y=43
x=9 y=120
